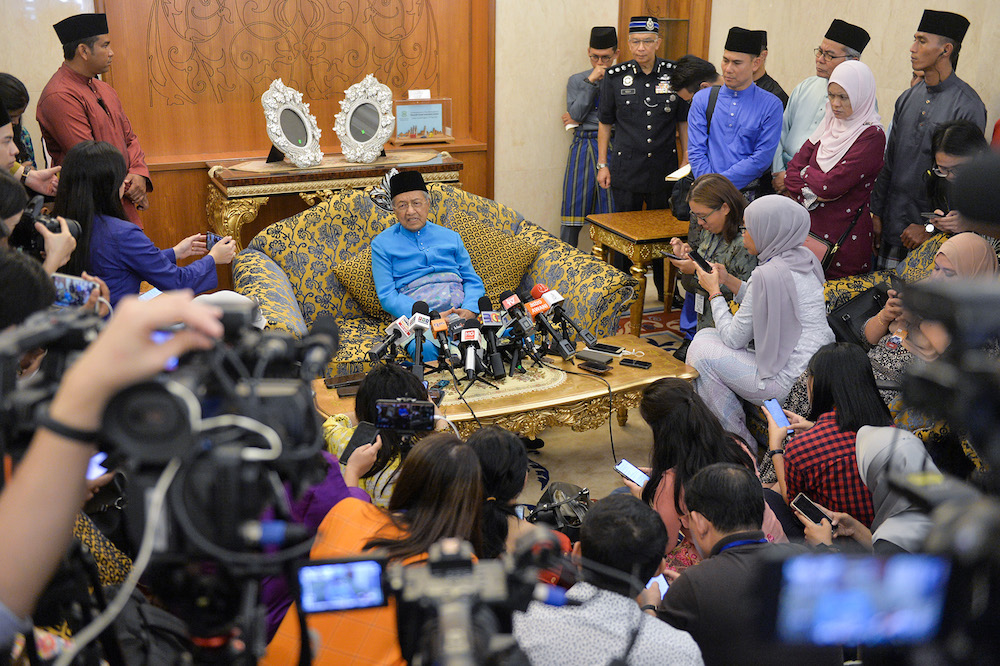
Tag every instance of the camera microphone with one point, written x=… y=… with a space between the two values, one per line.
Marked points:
x=555 y=301
x=319 y=346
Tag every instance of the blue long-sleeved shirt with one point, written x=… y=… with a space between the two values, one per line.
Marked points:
x=123 y=256
x=399 y=257
x=746 y=126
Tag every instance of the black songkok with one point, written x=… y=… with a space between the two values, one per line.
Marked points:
x=603 y=37
x=945 y=24
x=742 y=40
x=851 y=36
x=80 y=27
x=406 y=181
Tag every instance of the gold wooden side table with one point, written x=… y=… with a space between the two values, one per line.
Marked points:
x=641 y=236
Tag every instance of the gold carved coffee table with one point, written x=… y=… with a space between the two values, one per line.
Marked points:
x=640 y=236
x=580 y=402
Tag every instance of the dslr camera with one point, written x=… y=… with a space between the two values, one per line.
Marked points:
x=27 y=239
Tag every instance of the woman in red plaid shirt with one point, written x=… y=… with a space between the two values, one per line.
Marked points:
x=820 y=460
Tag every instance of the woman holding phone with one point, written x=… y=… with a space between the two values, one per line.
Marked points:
x=820 y=459
x=716 y=215
x=759 y=352
x=116 y=250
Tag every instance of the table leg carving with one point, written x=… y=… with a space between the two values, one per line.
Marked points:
x=638 y=271
x=228 y=216
x=598 y=251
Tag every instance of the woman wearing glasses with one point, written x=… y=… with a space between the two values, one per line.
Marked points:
x=716 y=215
x=759 y=352
x=953 y=144
x=834 y=172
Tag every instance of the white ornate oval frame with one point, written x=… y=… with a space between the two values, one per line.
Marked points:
x=276 y=101
x=368 y=91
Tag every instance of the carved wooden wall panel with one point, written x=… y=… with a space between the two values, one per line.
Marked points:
x=190 y=74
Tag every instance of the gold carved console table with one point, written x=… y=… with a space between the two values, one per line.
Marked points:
x=238 y=188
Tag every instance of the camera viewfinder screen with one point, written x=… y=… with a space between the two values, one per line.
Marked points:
x=337 y=586
x=844 y=600
x=406 y=416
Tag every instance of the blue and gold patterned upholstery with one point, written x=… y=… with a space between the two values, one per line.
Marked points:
x=289 y=266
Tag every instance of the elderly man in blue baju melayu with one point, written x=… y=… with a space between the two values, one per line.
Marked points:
x=417 y=260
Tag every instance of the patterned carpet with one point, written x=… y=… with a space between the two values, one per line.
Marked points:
x=660 y=328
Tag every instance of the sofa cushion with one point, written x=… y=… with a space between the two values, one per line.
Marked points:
x=919 y=262
x=356 y=276
x=500 y=259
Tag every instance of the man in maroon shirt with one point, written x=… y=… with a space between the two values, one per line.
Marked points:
x=76 y=106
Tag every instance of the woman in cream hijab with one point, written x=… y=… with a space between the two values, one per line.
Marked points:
x=758 y=353
x=834 y=172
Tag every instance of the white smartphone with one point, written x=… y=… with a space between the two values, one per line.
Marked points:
x=632 y=473
x=662 y=581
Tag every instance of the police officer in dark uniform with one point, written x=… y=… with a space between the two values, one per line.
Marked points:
x=637 y=100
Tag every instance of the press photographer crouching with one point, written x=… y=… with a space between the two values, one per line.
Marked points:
x=26 y=228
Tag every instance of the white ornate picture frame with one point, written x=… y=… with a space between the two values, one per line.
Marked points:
x=365 y=121
x=279 y=102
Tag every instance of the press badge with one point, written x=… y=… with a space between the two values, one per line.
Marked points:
x=699 y=303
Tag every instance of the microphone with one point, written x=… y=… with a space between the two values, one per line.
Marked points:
x=439 y=329
x=512 y=304
x=321 y=343
x=555 y=299
x=398 y=332
x=419 y=322
x=537 y=308
x=472 y=344
x=491 y=324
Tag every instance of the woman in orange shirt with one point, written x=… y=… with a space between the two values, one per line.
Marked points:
x=438 y=494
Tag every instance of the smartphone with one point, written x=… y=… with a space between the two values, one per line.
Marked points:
x=342 y=584
x=594 y=366
x=808 y=508
x=211 y=239
x=694 y=256
x=661 y=580
x=671 y=255
x=632 y=473
x=633 y=363
x=404 y=415
x=776 y=413
x=336 y=381
x=71 y=291
x=95 y=468
x=363 y=435
x=607 y=349
x=930 y=216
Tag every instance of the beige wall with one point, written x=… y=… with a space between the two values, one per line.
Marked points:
x=31 y=50
x=539 y=44
x=795 y=27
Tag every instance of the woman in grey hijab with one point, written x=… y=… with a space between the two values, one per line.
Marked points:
x=758 y=353
x=899 y=526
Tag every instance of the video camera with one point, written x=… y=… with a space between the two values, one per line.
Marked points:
x=220 y=435
x=26 y=238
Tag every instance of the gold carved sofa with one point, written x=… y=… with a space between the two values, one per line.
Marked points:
x=300 y=267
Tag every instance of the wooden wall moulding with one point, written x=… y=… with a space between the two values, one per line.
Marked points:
x=674 y=16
